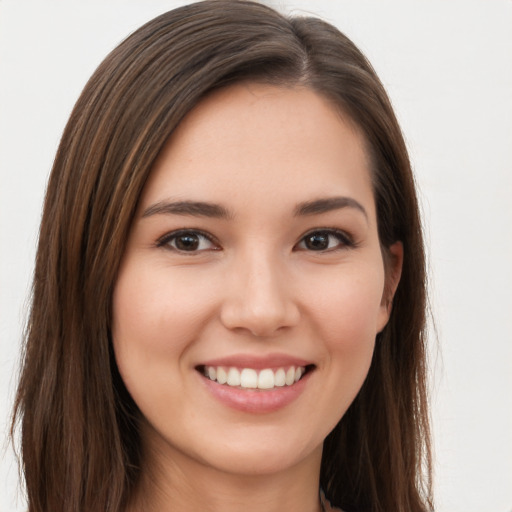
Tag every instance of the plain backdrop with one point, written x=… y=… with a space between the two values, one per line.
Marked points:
x=447 y=65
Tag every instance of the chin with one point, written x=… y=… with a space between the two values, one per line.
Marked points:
x=261 y=453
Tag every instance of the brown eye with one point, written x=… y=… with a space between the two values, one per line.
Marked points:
x=187 y=241
x=317 y=242
x=325 y=240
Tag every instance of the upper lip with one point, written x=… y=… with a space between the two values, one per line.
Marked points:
x=257 y=362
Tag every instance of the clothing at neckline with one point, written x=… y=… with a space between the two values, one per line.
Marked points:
x=326 y=505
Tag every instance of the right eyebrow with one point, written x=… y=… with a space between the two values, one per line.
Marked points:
x=191 y=208
x=327 y=204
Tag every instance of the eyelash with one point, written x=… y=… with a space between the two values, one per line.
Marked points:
x=344 y=239
x=166 y=240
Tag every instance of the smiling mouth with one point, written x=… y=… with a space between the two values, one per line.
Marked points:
x=250 y=378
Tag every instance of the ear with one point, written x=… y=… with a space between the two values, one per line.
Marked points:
x=393 y=261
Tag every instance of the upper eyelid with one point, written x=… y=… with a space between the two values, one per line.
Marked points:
x=164 y=239
x=330 y=230
x=346 y=240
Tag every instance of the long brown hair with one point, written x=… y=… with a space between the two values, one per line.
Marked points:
x=80 y=440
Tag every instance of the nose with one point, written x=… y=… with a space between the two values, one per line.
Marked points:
x=259 y=298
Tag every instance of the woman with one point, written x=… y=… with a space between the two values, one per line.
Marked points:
x=229 y=295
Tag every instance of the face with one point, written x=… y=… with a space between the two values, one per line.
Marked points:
x=251 y=289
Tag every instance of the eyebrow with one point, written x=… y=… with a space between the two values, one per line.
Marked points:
x=214 y=210
x=327 y=204
x=193 y=208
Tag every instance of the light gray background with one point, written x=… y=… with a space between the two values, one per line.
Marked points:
x=447 y=67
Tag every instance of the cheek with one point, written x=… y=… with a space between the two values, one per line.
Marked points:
x=348 y=305
x=156 y=310
x=156 y=319
x=347 y=312
x=154 y=324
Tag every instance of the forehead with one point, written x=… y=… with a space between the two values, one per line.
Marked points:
x=262 y=142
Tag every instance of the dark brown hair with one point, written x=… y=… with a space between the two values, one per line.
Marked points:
x=80 y=442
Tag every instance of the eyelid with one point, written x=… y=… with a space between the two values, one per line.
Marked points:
x=346 y=239
x=164 y=240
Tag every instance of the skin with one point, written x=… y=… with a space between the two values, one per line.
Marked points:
x=257 y=288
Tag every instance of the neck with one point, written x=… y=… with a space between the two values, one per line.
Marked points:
x=174 y=481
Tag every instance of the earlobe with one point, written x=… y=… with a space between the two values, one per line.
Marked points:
x=393 y=263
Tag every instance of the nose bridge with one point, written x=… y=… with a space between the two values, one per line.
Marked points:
x=259 y=294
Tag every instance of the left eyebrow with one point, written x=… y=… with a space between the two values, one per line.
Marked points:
x=192 y=208
x=328 y=204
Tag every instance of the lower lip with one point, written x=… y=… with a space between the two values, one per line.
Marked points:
x=256 y=401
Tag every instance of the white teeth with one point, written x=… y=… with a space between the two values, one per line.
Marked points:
x=249 y=378
x=280 y=378
x=266 y=379
x=290 y=376
x=222 y=376
x=233 y=377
